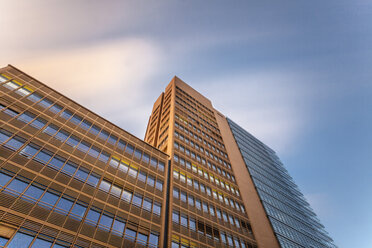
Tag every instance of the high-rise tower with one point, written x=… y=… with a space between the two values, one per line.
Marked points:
x=226 y=187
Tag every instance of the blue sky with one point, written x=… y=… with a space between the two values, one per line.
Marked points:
x=296 y=74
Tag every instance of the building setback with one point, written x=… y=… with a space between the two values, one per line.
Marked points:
x=69 y=178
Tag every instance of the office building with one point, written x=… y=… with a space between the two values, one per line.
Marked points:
x=69 y=178
x=228 y=188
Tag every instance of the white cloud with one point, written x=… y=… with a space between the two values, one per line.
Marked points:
x=111 y=78
x=269 y=104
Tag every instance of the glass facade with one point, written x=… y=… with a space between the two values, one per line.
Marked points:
x=293 y=221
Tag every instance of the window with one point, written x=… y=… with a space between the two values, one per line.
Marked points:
x=198 y=204
x=4 y=179
x=137 y=200
x=26 y=117
x=129 y=149
x=64 y=204
x=93 y=216
x=130 y=234
x=93 y=179
x=127 y=196
x=30 y=150
x=49 y=198
x=116 y=191
x=78 y=210
x=118 y=226
x=154 y=162
x=133 y=171
x=183 y=196
x=44 y=156
x=45 y=103
x=184 y=220
x=157 y=208
x=159 y=185
x=145 y=158
x=176 y=217
x=17 y=185
x=41 y=243
x=51 y=129
x=191 y=200
x=66 y=114
x=4 y=135
x=20 y=240
x=34 y=97
x=176 y=193
x=62 y=135
x=154 y=239
x=57 y=162
x=147 y=204
x=15 y=143
x=142 y=238
x=55 y=108
x=142 y=176
x=192 y=224
x=103 y=135
x=106 y=221
x=73 y=141
x=161 y=166
x=150 y=181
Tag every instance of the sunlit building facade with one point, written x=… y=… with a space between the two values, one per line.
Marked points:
x=70 y=178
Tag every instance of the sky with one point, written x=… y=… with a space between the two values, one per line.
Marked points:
x=296 y=74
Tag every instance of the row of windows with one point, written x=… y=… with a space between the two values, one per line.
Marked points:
x=90 y=127
x=195 y=145
x=195 y=115
x=28 y=238
x=207 y=208
x=57 y=162
x=197 y=106
x=86 y=147
x=193 y=183
x=48 y=158
x=15 y=85
x=182 y=176
x=210 y=165
x=69 y=206
x=194 y=135
x=74 y=141
x=132 y=170
x=128 y=196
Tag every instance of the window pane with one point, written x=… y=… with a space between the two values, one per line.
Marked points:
x=41 y=243
x=147 y=204
x=115 y=190
x=105 y=186
x=64 y=204
x=137 y=200
x=127 y=196
x=45 y=103
x=130 y=234
x=15 y=143
x=20 y=240
x=137 y=154
x=82 y=174
x=3 y=241
x=151 y=181
x=66 y=114
x=57 y=162
x=34 y=192
x=106 y=221
x=93 y=179
x=4 y=179
x=69 y=168
x=34 y=97
x=118 y=226
x=4 y=135
x=55 y=108
x=43 y=156
x=157 y=208
x=62 y=135
x=154 y=239
x=51 y=129
x=79 y=210
x=39 y=123
x=93 y=216
x=142 y=238
x=49 y=198
x=17 y=185
x=129 y=149
x=26 y=117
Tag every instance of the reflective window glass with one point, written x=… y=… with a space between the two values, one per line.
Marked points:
x=15 y=143
x=137 y=200
x=4 y=179
x=106 y=221
x=93 y=216
x=154 y=239
x=20 y=240
x=17 y=185
x=64 y=204
x=118 y=226
x=41 y=243
x=156 y=208
x=147 y=204
x=34 y=192
x=49 y=198
x=127 y=196
x=130 y=234
x=79 y=210
x=93 y=179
